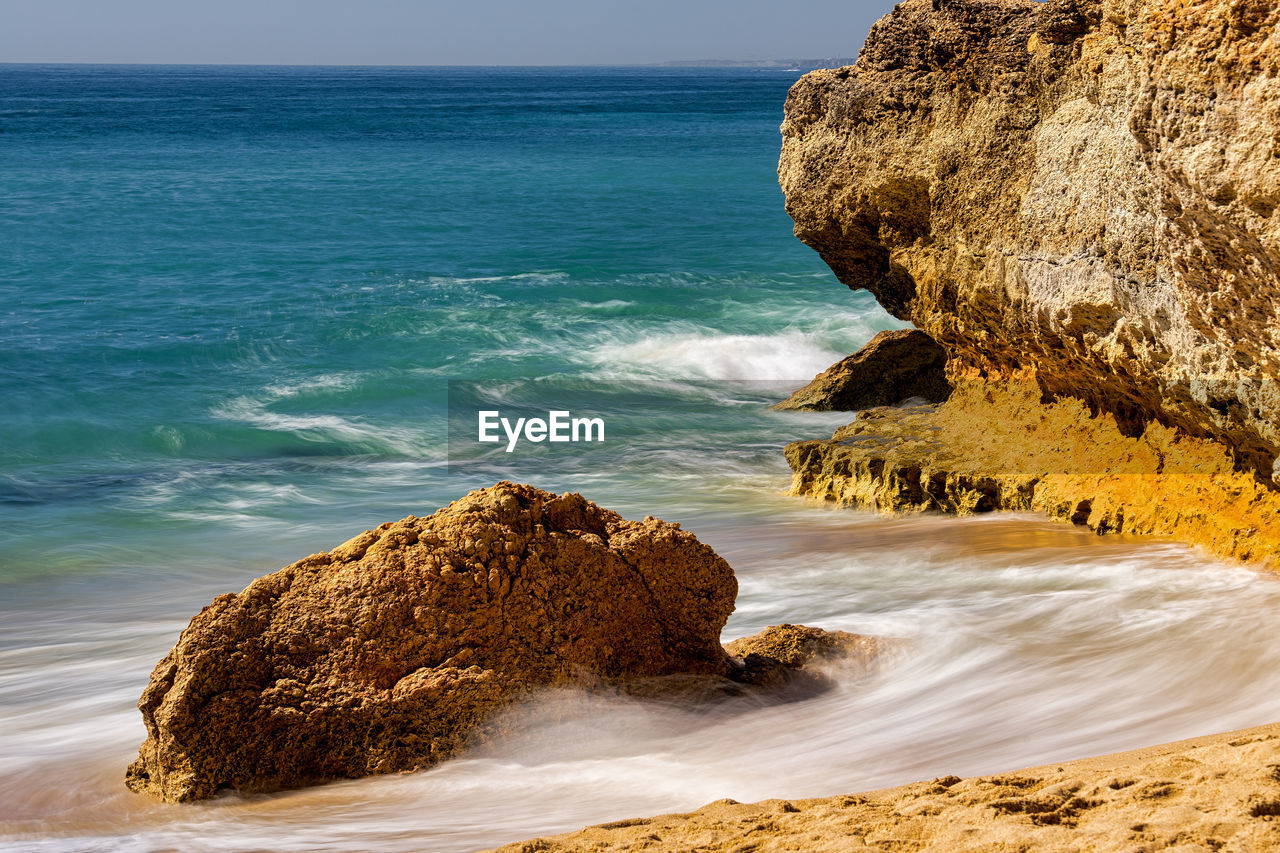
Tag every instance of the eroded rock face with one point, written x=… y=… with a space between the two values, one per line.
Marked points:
x=999 y=446
x=893 y=367
x=1086 y=189
x=385 y=653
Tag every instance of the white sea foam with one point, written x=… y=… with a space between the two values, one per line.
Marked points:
x=706 y=355
x=606 y=305
x=352 y=432
x=325 y=382
x=534 y=277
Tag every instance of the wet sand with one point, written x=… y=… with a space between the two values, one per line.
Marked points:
x=1220 y=792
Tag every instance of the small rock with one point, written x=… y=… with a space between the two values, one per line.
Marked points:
x=796 y=646
x=893 y=367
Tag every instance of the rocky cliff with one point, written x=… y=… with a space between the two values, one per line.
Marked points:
x=1085 y=192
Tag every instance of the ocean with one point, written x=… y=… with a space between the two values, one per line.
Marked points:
x=249 y=312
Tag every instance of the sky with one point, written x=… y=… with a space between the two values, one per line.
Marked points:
x=431 y=32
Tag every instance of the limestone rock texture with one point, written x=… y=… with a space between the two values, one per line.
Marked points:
x=1000 y=447
x=1088 y=190
x=794 y=657
x=387 y=652
x=893 y=367
x=796 y=646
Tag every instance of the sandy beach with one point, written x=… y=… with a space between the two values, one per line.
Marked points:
x=1220 y=792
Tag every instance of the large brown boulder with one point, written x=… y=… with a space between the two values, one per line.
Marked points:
x=387 y=652
x=893 y=367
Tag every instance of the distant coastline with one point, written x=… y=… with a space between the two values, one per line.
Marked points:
x=799 y=64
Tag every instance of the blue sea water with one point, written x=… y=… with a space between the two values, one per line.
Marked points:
x=236 y=305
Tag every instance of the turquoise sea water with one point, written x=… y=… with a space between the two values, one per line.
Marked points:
x=232 y=303
x=234 y=296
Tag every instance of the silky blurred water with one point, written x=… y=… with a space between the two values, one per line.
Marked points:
x=233 y=302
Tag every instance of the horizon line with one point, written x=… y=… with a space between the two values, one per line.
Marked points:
x=672 y=63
